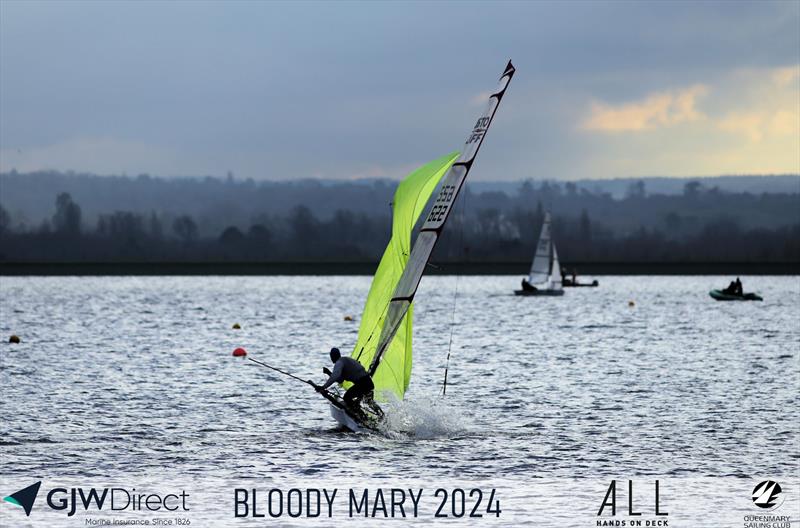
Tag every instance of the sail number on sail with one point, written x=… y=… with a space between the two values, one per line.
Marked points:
x=442 y=203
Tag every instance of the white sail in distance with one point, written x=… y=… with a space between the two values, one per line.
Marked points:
x=439 y=212
x=555 y=271
x=545 y=271
x=540 y=267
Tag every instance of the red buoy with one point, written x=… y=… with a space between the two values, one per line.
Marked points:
x=239 y=352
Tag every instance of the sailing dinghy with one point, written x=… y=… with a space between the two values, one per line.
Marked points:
x=545 y=275
x=384 y=337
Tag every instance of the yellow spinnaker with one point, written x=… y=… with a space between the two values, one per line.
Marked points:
x=394 y=371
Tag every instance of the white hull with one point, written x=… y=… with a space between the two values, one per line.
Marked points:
x=344 y=419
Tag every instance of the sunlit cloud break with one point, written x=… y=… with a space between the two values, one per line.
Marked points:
x=656 y=110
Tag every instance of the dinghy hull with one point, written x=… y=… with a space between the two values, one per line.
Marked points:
x=539 y=293
x=345 y=420
x=370 y=419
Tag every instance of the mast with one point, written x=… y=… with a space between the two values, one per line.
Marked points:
x=440 y=211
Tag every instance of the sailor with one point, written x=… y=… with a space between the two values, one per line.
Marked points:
x=527 y=286
x=348 y=369
x=738 y=289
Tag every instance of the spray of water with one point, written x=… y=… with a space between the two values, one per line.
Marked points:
x=421 y=417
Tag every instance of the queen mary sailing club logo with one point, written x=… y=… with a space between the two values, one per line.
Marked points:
x=25 y=497
x=767 y=495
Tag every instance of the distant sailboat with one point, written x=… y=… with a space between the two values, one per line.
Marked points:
x=545 y=275
x=383 y=346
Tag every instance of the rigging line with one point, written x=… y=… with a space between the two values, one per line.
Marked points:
x=455 y=295
x=372 y=332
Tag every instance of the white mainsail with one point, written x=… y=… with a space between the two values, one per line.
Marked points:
x=439 y=212
x=545 y=271
x=540 y=267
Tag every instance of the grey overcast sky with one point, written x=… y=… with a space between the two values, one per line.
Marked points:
x=273 y=90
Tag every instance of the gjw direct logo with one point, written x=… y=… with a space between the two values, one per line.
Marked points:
x=767 y=495
x=114 y=499
x=25 y=497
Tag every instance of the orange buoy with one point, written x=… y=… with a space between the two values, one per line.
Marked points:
x=236 y=326
x=239 y=352
x=13 y=339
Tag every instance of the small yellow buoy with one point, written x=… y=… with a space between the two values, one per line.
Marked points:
x=236 y=326
x=13 y=339
x=631 y=303
x=348 y=317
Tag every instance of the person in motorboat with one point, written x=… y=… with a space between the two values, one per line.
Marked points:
x=734 y=288
x=348 y=369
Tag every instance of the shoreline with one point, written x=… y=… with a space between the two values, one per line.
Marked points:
x=368 y=268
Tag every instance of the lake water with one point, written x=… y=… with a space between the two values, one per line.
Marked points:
x=131 y=379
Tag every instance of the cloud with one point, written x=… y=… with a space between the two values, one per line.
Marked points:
x=656 y=110
x=749 y=123
x=770 y=110
x=480 y=99
x=785 y=76
x=785 y=123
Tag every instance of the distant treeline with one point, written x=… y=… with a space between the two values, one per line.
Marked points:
x=217 y=203
x=700 y=225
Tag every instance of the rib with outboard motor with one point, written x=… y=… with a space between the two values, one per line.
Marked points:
x=384 y=341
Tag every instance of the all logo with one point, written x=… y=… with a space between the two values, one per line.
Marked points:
x=767 y=495
x=25 y=497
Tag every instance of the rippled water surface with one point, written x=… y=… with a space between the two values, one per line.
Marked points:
x=134 y=376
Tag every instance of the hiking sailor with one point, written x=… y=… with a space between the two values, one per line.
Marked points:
x=348 y=369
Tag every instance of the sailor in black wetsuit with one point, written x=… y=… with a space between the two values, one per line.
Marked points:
x=348 y=369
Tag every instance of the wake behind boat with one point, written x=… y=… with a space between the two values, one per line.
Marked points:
x=383 y=346
x=544 y=277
